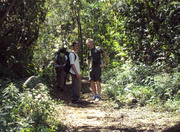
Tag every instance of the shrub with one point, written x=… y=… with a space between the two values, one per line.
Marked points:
x=143 y=84
x=31 y=110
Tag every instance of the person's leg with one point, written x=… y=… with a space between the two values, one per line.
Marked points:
x=61 y=79
x=65 y=78
x=76 y=86
x=98 y=83
x=98 y=87
x=73 y=87
x=92 y=82
x=93 y=87
x=57 y=79
x=98 y=96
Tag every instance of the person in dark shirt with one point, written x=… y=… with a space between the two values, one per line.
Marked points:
x=60 y=60
x=95 y=63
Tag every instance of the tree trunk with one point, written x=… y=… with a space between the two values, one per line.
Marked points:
x=80 y=36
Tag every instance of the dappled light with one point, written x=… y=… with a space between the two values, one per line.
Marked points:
x=129 y=49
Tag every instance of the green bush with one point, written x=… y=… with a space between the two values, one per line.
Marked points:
x=31 y=110
x=48 y=74
x=144 y=85
x=166 y=85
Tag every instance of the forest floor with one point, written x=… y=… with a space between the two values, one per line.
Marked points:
x=102 y=116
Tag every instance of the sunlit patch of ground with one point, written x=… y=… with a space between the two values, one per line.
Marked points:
x=91 y=116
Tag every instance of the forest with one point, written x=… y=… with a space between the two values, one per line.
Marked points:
x=140 y=37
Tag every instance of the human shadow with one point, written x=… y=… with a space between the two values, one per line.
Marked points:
x=65 y=95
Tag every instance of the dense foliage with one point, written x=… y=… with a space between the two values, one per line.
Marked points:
x=140 y=37
x=19 y=23
x=134 y=84
x=145 y=31
x=29 y=109
x=152 y=30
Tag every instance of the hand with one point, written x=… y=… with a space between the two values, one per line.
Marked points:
x=78 y=76
x=102 y=65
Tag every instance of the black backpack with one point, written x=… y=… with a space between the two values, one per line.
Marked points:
x=64 y=60
x=68 y=65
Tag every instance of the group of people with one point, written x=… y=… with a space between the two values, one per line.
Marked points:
x=95 y=64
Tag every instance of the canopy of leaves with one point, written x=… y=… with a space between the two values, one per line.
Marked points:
x=141 y=30
x=152 y=30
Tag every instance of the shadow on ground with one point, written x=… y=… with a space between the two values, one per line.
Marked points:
x=175 y=128
x=65 y=95
x=107 y=129
x=108 y=123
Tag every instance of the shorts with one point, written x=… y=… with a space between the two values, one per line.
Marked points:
x=95 y=73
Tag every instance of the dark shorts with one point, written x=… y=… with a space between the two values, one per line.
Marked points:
x=95 y=73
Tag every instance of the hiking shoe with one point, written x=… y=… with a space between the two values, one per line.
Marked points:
x=97 y=98
x=94 y=97
x=76 y=101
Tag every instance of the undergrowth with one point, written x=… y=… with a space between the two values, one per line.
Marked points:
x=144 y=85
x=28 y=108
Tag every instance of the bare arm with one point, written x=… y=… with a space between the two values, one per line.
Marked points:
x=88 y=63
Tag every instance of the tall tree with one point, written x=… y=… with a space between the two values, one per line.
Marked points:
x=19 y=23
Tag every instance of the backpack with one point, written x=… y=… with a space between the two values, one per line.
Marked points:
x=63 y=59
x=60 y=58
x=68 y=65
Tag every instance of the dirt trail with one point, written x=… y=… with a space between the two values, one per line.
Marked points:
x=91 y=116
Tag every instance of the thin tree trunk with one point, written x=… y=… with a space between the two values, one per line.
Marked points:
x=80 y=36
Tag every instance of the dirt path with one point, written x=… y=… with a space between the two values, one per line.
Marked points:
x=91 y=116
